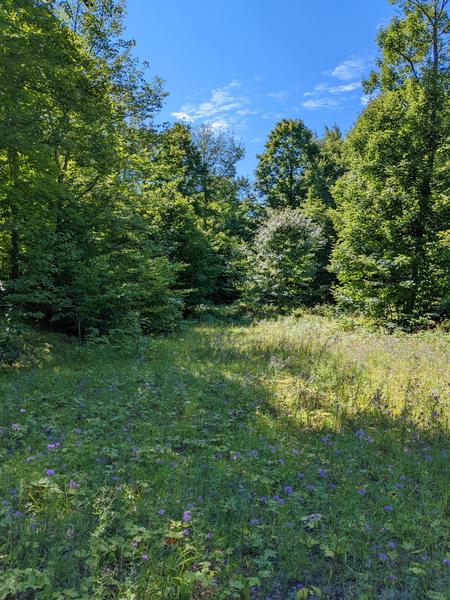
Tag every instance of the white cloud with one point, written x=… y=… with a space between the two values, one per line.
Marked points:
x=365 y=100
x=182 y=116
x=349 y=69
x=221 y=104
x=334 y=89
x=343 y=89
x=320 y=103
x=278 y=96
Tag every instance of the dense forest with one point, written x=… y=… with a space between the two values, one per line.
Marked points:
x=110 y=221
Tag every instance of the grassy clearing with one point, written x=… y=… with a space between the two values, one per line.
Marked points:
x=286 y=459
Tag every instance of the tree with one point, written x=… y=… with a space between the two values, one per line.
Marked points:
x=283 y=264
x=74 y=116
x=281 y=174
x=392 y=205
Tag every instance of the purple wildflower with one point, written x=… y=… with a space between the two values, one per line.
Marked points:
x=161 y=512
x=144 y=556
x=382 y=556
x=185 y=532
x=186 y=516
x=387 y=508
x=446 y=561
x=288 y=490
x=73 y=484
x=322 y=473
x=255 y=521
x=50 y=472
x=360 y=433
x=391 y=545
x=361 y=492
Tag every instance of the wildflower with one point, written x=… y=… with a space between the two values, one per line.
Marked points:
x=254 y=453
x=209 y=535
x=392 y=577
x=200 y=498
x=50 y=472
x=144 y=556
x=18 y=514
x=23 y=410
x=134 y=544
x=77 y=430
x=279 y=500
x=186 y=516
x=391 y=545
x=15 y=426
x=387 y=508
x=322 y=473
x=255 y=521
x=29 y=458
x=382 y=556
x=310 y=487
x=360 y=433
x=301 y=475
x=446 y=561
x=185 y=532
x=162 y=512
x=361 y=491
x=281 y=461
x=288 y=490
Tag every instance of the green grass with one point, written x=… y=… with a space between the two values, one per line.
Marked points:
x=307 y=461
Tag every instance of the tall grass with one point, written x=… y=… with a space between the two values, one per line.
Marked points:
x=284 y=459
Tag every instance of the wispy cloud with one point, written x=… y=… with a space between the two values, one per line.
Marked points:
x=353 y=68
x=365 y=99
x=278 y=96
x=334 y=89
x=220 y=109
x=317 y=103
x=222 y=101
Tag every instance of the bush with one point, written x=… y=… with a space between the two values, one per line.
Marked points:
x=284 y=261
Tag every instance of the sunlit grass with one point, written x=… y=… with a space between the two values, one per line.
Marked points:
x=278 y=460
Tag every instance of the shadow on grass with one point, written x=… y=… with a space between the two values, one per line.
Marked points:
x=290 y=478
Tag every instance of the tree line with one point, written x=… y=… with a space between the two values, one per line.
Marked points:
x=111 y=222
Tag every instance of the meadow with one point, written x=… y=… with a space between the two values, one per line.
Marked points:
x=298 y=457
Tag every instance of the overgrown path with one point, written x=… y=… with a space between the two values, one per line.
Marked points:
x=279 y=460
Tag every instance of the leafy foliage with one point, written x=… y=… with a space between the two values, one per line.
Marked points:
x=284 y=263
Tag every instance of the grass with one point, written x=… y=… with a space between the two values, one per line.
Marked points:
x=284 y=459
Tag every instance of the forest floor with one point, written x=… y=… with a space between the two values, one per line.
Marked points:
x=282 y=459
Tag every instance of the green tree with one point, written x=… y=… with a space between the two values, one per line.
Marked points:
x=282 y=171
x=393 y=204
x=283 y=264
x=74 y=117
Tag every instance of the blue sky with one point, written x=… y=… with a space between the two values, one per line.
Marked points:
x=244 y=64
